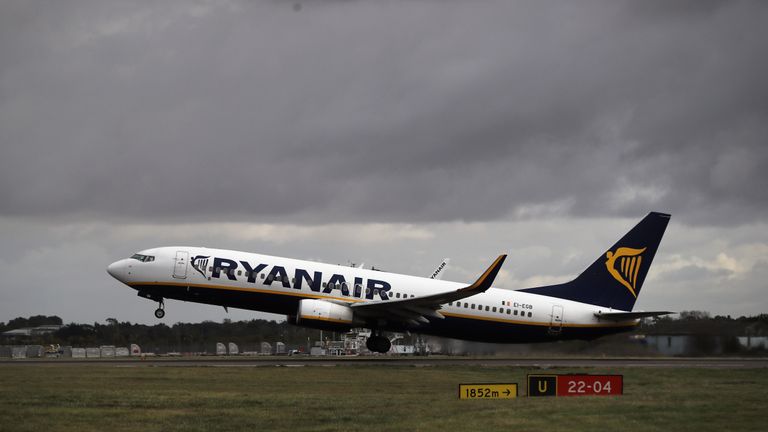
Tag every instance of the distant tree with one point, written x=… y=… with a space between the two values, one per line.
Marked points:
x=694 y=315
x=33 y=321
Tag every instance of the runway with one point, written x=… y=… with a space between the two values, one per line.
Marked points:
x=541 y=363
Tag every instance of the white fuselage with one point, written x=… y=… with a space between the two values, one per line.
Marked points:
x=274 y=284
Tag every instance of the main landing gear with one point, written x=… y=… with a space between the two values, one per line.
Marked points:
x=378 y=343
x=160 y=311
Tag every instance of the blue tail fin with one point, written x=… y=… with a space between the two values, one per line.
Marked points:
x=615 y=278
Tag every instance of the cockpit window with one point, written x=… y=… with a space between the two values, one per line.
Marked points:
x=143 y=258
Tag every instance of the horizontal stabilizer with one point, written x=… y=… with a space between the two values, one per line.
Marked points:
x=625 y=316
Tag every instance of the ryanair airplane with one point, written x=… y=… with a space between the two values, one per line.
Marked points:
x=596 y=303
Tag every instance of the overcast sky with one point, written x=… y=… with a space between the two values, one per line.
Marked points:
x=391 y=132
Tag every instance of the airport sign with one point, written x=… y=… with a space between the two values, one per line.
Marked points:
x=488 y=391
x=575 y=385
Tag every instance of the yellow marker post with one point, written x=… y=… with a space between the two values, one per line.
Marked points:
x=488 y=391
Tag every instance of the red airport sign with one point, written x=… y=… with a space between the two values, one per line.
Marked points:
x=575 y=385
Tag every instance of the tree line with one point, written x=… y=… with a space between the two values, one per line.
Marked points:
x=198 y=337
x=202 y=337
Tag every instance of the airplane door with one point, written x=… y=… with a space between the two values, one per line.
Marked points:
x=180 y=266
x=556 y=323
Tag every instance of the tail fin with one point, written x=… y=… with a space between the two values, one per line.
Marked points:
x=614 y=280
x=438 y=273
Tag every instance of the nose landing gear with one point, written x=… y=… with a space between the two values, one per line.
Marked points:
x=160 y=311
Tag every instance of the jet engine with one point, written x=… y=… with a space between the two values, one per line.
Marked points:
x=324 y=315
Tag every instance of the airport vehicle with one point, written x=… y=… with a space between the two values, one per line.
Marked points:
x=597 y=302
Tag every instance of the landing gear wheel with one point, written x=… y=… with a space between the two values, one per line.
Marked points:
x=378 y=344
x=160 y=311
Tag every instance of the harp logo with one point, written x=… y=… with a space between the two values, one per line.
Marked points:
x=199 y=263
x=624 y=265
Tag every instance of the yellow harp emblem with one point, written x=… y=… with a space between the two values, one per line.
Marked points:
x=628 y=260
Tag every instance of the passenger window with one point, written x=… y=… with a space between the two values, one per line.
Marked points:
x=472 y=306
x=515 y=311
x=245 y=273
x=375 y=292
x=508 y=311
x=279 y=278
x=239 y=273
x=262 y=275
x=210 y=269
x=325 y=284
x=530 y=314
x=397 y=295
x=494 y=309
x=486 y=308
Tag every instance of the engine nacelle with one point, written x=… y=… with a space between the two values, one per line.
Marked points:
x=324 y=315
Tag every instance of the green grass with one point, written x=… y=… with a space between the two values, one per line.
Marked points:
x=365 y=397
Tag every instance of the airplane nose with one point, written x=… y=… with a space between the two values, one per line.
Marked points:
x=116 y=269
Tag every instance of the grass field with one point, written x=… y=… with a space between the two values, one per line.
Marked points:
x=364 y=397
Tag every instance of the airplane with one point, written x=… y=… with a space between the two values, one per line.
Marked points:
x=596 y=303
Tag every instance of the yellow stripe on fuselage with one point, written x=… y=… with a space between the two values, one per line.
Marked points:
x=314 y=318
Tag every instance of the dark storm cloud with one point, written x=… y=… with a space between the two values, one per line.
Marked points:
x=390 y=111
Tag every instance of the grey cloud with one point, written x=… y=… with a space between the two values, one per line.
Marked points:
x=696 y=274
x=370 y=111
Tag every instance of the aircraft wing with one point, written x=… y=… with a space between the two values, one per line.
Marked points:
x=416 y=310
x=624 y=316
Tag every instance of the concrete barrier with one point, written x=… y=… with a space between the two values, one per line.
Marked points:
x=233 y=349
x=19 y=352
x=35 y=351
x=266 y=348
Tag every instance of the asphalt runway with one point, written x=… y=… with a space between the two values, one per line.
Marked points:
x=542 y=363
